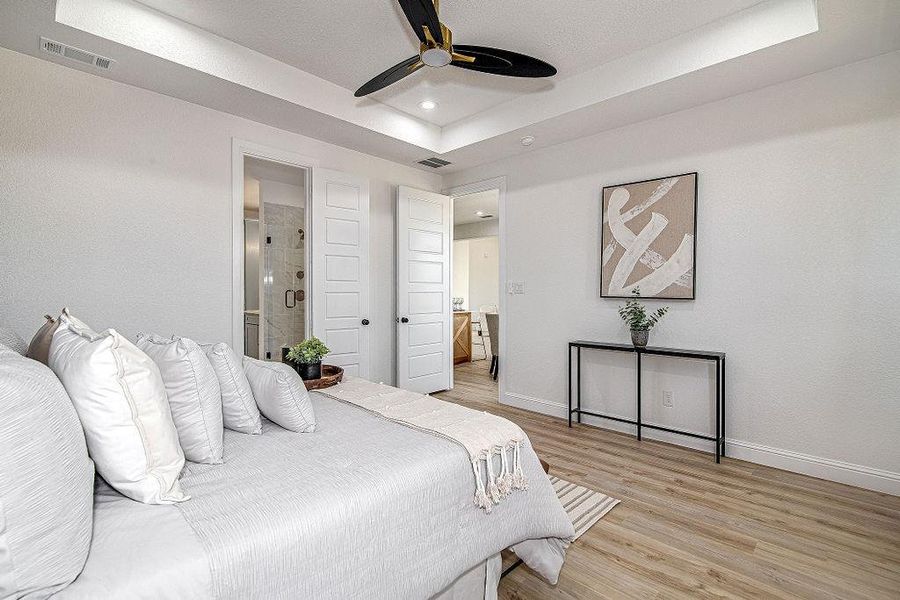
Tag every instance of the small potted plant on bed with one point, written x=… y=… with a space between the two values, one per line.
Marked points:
x=635 y=315
x=307 y=357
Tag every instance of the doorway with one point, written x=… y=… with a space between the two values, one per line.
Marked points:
x=334 y=252
x=475 y=289
x=275 y=264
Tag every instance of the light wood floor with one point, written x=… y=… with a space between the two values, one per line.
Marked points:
x=688 y=528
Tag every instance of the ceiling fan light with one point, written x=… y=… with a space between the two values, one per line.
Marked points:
x=436 y=57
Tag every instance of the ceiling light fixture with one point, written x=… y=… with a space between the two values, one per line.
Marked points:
x=479 y=212
x=527 y=140
x=428 y=105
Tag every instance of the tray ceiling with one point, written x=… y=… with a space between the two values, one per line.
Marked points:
x=347 y=42
x=294 y=65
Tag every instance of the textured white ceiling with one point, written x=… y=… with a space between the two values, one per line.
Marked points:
x=349 y=41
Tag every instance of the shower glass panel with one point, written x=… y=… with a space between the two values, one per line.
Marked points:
x=284 y=279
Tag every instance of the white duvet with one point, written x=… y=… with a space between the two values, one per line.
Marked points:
x=344 y=512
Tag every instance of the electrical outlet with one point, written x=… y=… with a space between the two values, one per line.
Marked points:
x=667 y=398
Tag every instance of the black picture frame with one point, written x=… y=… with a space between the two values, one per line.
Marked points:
x=603 y=242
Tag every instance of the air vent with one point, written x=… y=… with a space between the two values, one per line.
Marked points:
x=434 y=162
x=77 y=54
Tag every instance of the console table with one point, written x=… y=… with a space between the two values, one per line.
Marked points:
x=717 y=357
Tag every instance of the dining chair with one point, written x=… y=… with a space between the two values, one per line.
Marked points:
x=478 y=327
x=478 y=335
x=493 y=325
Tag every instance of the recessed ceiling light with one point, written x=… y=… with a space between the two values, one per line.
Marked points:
x=479 y=212
x=428 y=105
x=527 y=140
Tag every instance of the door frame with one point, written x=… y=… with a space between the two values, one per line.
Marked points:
x=239 y=150
x=495 y=183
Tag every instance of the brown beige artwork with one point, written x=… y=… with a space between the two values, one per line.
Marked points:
x=647 y=238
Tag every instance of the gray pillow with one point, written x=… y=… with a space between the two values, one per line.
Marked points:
x=39 y=348
x=12 y=340
x=46 y=482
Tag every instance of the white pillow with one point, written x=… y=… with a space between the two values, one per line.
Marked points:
x=193 y=392
x=46 y=482
x=121 y=401
x=280 y=394
x=239 y=412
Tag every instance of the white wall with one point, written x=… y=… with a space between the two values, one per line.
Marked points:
x=461 y=271
x=484 y=272
x=479 y=229
x=116 y=201
x=285 y=194
x=251 y=264
x=476 y=272
x=797 y=271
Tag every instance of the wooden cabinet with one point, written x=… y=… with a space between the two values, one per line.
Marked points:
x=462 y=337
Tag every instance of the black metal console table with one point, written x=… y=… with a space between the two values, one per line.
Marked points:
x=717 y=357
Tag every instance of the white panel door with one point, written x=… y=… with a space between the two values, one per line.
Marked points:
x=340 y=268
x=424 y=344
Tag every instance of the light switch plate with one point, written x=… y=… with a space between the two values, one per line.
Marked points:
x=515 y=288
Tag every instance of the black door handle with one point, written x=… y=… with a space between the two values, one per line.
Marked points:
x=365 y=321
x=404 y=320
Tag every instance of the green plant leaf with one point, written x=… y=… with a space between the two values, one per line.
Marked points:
x=308 y=351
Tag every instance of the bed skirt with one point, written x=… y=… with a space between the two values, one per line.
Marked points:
x=478 y=583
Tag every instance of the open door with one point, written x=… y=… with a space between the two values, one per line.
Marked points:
x=340 y=268
x=424 y=344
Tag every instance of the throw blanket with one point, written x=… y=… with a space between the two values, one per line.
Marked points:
x=483 y=435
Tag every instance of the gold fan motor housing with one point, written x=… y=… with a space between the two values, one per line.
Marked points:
x=440 y=55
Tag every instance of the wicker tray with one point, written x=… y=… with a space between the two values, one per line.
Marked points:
x=331 y=375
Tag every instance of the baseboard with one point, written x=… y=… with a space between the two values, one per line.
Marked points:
x=547 y=407
x=879 y=480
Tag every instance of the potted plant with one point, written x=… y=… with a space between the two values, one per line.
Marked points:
x=640 y=323
x=307 y=357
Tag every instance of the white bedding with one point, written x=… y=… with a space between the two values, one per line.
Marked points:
x=340 y=513
x=140 y=551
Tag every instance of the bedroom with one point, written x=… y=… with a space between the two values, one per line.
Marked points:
x=118 y=199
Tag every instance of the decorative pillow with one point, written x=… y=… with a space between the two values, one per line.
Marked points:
x=193 y=391
x=239 y=411
x=39 y=348
x=280 y=395
x=46 y=482
x=121 y=401
x=12 y=340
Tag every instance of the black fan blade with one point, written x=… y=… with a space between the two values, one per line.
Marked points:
x=392 y=75
x=502 y=62
x=422 y=12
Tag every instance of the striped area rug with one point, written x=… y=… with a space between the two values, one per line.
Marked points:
x=584 y=506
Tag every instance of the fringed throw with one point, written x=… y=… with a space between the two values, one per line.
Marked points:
x=486 y=437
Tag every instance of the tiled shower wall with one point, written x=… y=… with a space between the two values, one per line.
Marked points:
x=284 y=272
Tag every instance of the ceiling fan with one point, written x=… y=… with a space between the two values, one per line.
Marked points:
x=437 y=50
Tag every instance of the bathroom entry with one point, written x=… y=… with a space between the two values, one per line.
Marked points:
x=275 y=257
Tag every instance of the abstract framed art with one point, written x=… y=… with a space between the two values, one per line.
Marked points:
x=648 y=238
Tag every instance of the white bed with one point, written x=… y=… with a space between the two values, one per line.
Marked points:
x=362 y=508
